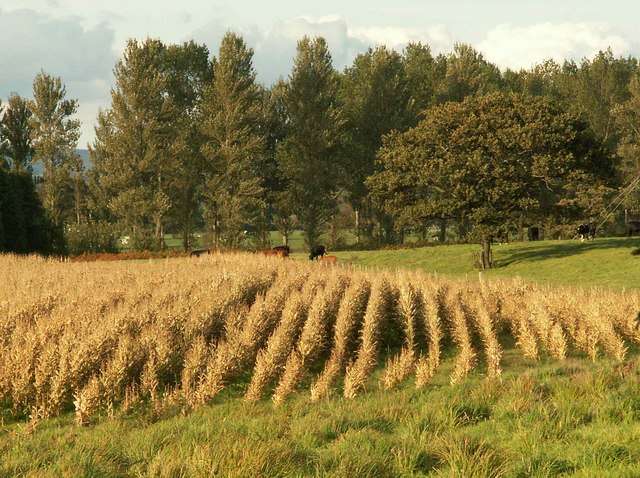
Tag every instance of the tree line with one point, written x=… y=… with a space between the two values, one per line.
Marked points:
x=396 y=142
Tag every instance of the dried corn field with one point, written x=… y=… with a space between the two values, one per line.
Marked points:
x=90 y=338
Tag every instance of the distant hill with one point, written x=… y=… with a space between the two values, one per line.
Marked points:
x=83 y=153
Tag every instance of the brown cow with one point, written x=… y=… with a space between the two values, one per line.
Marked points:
x=329 y=259
x=274 y=253
x=284 y=249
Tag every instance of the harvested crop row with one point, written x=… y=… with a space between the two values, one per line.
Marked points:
x=96 y=337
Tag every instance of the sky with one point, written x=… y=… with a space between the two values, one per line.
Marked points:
x=81 y=40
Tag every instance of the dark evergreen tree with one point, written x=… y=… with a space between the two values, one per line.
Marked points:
x=312 y=155
x=234 y=144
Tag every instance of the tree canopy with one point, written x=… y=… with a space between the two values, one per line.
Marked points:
x=397 y=143
x=489 y=160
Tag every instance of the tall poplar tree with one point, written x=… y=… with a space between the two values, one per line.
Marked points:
x=55 y=135
x=131 y=153
x=376 y=100
x=188 y=72
x=468 y=73
x=311 y=155
x=279 y=205
x=3 y=145
x=627 y=117
x=15 y=130
x=234 y=146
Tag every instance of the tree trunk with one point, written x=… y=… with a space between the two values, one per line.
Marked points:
x=487 y=262
x=76 y=197
x=463 y=229
x=159 y=234
x=442 y=236
x=216 y=230
x=357 y=226
x=521 y=229
x=186 y=234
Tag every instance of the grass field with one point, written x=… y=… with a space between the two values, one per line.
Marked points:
x=605 y=262
x=170 y=368
x=572 y=419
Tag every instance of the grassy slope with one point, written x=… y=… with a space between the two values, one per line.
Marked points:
x=546 y=419
x=603 y=262
x=574 y=418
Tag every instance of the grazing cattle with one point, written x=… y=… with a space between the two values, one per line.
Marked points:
x=633 y=227
x=329 y=259
x=199 y=252
x=275 y=252
x=316 y=252
x=586 y=231
x=284 y=249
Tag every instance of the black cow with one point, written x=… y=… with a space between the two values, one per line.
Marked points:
x=633 y=227
x=317 y=251
x=586 y=231
x=199 y=252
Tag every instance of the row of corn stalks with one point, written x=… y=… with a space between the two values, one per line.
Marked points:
x=91 y=337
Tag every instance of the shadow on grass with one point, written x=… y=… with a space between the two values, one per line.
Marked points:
x=541 y=252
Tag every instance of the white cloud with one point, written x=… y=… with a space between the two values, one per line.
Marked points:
x=521 y=47
x=60 y=46
x=438 y=37
x=275 y=47
x=82 y=51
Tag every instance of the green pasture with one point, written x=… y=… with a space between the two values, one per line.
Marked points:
x=574 y=418
x=605 y=262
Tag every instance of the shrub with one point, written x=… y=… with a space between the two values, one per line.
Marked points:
x=92 y=237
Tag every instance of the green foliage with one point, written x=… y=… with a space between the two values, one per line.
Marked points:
x=24 y=225
x=191 y=142
x=54 y=135
x=468 y=73
x=15 y=133
x=376 y=99
x=424 y=75
x=92 y=237
x=188 y=72
x=137 y=175
x=490 y=161
x=627 y=121
x=597 y=86
x=311 y=157
x=234 y=145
